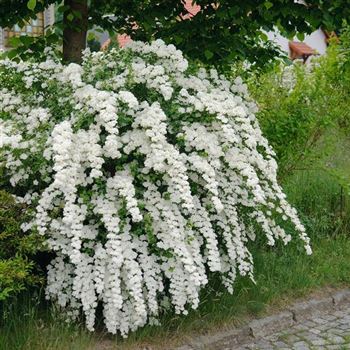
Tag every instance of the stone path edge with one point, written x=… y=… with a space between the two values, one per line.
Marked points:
x=264 y=326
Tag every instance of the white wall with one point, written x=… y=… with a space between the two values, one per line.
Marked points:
x=49 y=16
x=317 y=40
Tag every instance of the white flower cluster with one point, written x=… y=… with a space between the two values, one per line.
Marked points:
x=145 y=176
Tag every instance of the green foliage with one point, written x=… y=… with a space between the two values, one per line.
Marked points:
x=282 y=275
x=23 y=47
x=17 y=269
x=29 y=323
x=229 y=30
x=31 y=4
x=304 y=110
x=322 y=202
x=20 y=11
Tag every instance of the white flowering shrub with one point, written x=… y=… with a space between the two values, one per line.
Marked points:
x=147 y=175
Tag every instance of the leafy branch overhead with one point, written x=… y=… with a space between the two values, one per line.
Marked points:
x=217 y=34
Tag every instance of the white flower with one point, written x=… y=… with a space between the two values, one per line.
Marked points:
x=146 y=177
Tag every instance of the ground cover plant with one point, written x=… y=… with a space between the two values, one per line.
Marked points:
x=148 y=175
x=18 y=269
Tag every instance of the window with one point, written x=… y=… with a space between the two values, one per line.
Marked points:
x=34 y=27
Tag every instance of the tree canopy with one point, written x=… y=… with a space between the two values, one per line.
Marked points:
x=220 y=32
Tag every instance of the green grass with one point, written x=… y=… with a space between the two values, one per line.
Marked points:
x=322 y=203
x=282 y=274
x=28 y=323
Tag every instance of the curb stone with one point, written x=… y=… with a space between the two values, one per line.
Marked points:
x=220 y=340
x=268 y=325
x=341 y=298
x=271 y=324
x=314 y=307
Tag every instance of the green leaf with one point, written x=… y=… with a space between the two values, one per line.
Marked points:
x=91 y=36
x=77 y=14
x=26 y=40
x=178 y=39
x=268 y=4
x=63 y=8
x=31 y=4
x=14 y=41
x=301 y=36
x=263 y=36
x=208 y=54
x=70 y=17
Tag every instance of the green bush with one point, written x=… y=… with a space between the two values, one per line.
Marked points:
x=304 y=108
x=18 y=270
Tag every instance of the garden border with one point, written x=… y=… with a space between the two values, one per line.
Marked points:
x=265 y=326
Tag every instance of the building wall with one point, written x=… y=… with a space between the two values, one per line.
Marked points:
x=49 y=16
x=49 y=19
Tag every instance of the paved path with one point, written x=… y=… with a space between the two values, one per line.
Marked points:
x=329 y=331
x=321 y=323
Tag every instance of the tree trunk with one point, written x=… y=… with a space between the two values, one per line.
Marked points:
x=75 y=30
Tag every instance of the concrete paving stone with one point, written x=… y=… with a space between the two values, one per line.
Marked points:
x=280 y=345
x=316 y=325
x=318 y=342
x=309 y=324
x=301 y=345
x=283 y=320
x=343 y=334
x=298 y=327
x=312 y=308
x=324 y=327
x=259 y=345
x=263 y=343
x=341 y=298
x=334 y=324
x=315 y=331
x=336 y=340
x=272 y=338
x=319 y=320
x=310 y=336
x=329 y=317
x=290 y=338
x=334 y=331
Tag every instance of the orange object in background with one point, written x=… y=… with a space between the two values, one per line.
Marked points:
x=300 y=50
x=191 y=8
